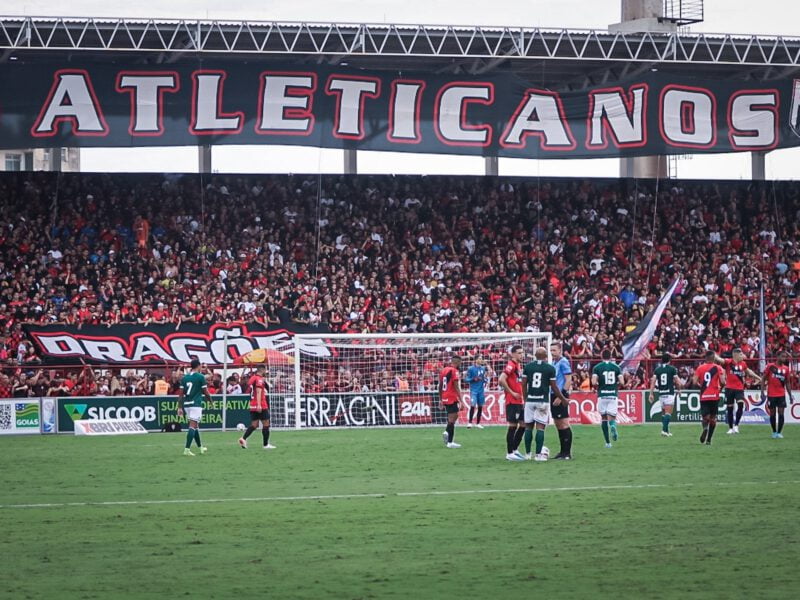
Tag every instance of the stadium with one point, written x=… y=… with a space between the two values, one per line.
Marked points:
x=357 y=310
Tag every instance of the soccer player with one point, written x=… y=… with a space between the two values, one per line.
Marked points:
x=476 y=376
x=665 y=379
x=450 y=395
x=190 y=395
x=710 y=377
x=606 y=379
x=560 y=410
x=735 y=372
x=776 y=382
x=511 y=382
x=259 y=408
x=540 y=383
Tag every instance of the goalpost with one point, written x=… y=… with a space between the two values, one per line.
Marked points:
x=356 y=380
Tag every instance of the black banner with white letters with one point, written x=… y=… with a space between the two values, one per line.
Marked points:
x=127 y=344
x=50 y=105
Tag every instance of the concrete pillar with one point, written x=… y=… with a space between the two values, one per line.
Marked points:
x=204 y=159
x=641 y=9
x=758 y=162
x=351 y=162
x=644 y=167
x=55 y=159
x=491 y=166
x=640 y=16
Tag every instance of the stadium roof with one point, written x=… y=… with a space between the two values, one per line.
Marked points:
x=558 y=59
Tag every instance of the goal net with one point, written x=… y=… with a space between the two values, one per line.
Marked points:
x=392 y=379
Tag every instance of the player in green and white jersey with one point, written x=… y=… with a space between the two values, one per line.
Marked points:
x=191 y=394
x=606 y=379
x=665 y=380
x=540 y=380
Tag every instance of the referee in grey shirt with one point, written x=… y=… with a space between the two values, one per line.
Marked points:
x=561 y=412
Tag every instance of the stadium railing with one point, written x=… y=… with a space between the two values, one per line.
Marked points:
x=137 y=379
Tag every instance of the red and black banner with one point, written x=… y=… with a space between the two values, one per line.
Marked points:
x=54 y=105
x=135 y=344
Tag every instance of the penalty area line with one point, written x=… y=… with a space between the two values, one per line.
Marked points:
x=430 y=493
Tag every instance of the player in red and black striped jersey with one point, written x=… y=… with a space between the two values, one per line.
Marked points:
x=776 y=382
x=511 y=382
x=736 y=370
x=450 y=395
x=259 y=408
x=710 y=377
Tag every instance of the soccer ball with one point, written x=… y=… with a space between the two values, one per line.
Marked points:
x=546 y=451
x=241 y=427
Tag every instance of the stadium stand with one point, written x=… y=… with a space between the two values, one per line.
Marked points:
x=579 y=258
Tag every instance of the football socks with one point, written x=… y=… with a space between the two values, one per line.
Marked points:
x=451 y=431
x=518 y=435
x=604 y=425
x=539 y=440
x=711 y=427
x=739 y=411
x=512 y=431
x=265 y=435
x=565 y=439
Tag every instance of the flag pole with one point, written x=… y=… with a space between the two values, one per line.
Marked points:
x=762 y=336
x=224 y=380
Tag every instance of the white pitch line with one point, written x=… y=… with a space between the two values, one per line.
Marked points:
x=588 y=488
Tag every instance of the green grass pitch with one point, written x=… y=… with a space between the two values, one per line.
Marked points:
x=393 y=514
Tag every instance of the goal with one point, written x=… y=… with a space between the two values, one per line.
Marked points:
x=369 y=380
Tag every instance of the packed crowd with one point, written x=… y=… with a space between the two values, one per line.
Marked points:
x=582 y=259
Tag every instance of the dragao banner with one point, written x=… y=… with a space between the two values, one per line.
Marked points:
x=125 y=344
x=267 y=103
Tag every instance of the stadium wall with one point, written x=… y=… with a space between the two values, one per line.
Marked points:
x=376 y=409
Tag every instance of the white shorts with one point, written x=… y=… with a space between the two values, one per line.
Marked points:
x=194 y=413
x=667 y=399
x=537 y=412
x=607 y=405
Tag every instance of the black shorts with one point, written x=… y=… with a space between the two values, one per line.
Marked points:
x=776 y=401
x=259 y=415
x=732 y=396
x=709 y=408
x=561 y=411
x=452 y=408
x=515 y=413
